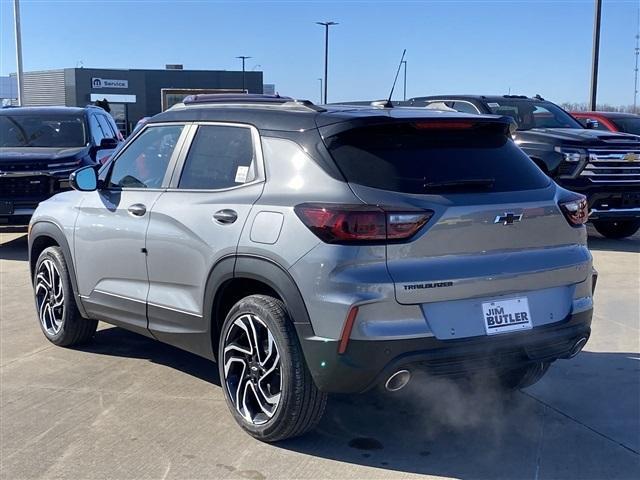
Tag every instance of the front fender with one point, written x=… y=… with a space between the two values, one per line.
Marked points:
x=41 y=229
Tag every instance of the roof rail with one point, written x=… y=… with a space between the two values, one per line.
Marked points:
x=250 y=99
x=515 y=96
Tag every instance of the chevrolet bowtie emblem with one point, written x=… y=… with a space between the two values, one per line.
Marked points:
x=631 y=157
x=508 y=218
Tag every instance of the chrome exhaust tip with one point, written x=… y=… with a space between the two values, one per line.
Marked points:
x=397 y=381
x=577 y=347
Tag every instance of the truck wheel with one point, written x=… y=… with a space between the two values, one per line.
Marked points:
x=617 y=229
x=265 y=380
x=525 y=376
x=59 y=317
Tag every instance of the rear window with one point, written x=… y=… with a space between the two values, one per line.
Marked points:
x=628 y=124
x=407 y=158
x=533 y=114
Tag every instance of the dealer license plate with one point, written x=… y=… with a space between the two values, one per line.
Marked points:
x=502 y=316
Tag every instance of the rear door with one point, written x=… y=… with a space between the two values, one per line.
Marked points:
x=197 y=222
x=496 y=228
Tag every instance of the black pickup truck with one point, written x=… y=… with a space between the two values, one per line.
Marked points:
x=41 y=146
x=604 y=166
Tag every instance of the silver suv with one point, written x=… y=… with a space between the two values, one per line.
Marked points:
x=312 y=250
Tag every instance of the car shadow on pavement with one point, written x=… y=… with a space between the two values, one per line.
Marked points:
x=14 y=249
x=117 y=342
x=580 y=421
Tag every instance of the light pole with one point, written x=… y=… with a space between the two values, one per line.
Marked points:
x=326 y=53
x=19 y=79
x=243 y=58
x=596 y=54
x=320 y=80
x=635 y=77
x=405 y=80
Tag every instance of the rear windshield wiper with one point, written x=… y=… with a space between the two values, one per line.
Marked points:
x=468 y=184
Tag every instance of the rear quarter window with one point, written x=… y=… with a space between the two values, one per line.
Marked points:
x=406 y=158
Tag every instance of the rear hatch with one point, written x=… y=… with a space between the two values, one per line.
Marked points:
x=496 y=231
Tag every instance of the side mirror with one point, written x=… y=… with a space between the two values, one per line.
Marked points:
x=590 y=123
x=108 y=144
x=84 y=179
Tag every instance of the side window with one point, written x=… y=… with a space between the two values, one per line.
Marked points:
x=106 y=127
x=144 y=163
x=219 y=157
x=465 y=107
x=97 y=134
x=439 y=105
x=114 y=127
x=601 y=125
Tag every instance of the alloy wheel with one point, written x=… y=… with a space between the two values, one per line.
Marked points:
x=49 y=297
x=252 y=369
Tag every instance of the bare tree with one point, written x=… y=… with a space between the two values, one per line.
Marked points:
x=603 y=107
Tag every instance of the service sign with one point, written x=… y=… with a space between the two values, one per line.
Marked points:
x=97 y=82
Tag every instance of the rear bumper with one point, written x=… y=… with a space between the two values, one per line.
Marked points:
x=368 y=363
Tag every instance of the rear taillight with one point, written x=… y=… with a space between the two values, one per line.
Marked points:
x=358 y=224
x=576 y=211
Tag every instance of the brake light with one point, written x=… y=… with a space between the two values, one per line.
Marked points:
x=358 y=224
x=576 y=211
x=443 y=125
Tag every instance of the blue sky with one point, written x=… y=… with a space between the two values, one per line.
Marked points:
x=489 y=47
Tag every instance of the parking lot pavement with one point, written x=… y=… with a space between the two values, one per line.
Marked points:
x=128 y=407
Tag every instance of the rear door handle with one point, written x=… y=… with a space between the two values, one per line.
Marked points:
x=137 y=209
x=225 y=216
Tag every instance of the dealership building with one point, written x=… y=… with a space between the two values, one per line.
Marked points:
x=132 y=94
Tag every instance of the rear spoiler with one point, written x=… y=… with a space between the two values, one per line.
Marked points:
x=505 y=124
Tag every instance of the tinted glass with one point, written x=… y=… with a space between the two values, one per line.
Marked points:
x=42 y=130
x=464 y=107
x=628 y=124
x=97 y=134
x=529 y=114
x=406 y=159
x=144 y=163
x=106 y=126
x=219 y=157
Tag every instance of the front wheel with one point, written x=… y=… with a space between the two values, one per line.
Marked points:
x=616 y=229
x=266 y=382
x=59 y=316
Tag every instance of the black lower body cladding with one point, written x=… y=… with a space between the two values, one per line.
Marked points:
x=366 y=364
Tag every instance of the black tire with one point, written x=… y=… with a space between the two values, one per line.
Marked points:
x=524 y=376
x=301 y=404
x=73 y=329
x=616 y=229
